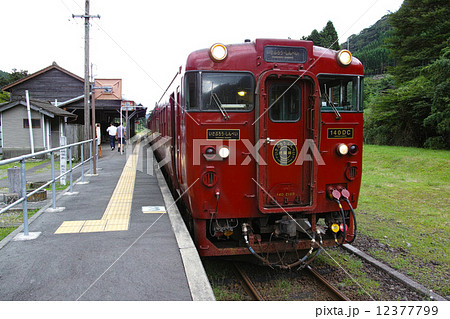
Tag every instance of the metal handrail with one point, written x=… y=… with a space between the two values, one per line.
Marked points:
x=19 y=158
x=53 y=180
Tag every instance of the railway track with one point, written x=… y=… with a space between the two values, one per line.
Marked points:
x=247 y=284
x=245 y=281
x=339 y=295
x=257 y=295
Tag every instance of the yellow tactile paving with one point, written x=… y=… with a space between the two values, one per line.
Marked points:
x=95 y=223
x=75 y=223
x=117 y=217
x=117 y=214
x=70 y=227
x=92 y=229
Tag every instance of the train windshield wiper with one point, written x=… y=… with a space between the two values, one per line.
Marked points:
x=219 y=105
x=330 y=103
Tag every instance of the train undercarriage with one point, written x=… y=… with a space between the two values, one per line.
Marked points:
x=282 y=241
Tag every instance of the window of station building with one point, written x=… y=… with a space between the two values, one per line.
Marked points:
x=344 y=93
x=231 y=91
x=35 y=123
x=284 y=102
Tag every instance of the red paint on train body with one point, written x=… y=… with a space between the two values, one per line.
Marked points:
x=264 y=145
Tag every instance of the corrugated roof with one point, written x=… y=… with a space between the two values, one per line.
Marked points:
x=40 y=106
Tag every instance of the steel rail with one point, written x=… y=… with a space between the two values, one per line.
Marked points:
x=339 y=294
x=248 y=284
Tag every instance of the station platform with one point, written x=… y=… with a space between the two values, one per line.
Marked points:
x=118 y=236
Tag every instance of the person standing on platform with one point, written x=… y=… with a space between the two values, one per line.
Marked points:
x=112 y=131
x=98 y=136
x=121 y=135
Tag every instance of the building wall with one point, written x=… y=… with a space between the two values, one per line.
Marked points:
x=16 y=138
x=49 y=86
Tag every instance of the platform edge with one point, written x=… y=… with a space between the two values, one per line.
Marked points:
x=198 y=282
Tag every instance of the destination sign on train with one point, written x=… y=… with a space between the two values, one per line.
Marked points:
x=285 y=54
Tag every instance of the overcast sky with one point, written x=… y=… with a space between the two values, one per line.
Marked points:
x=144 y=42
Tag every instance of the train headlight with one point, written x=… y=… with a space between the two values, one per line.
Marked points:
x=353 y=149
x=224 y=152
x=344 y=57
x=342 y=149
x=218 y=52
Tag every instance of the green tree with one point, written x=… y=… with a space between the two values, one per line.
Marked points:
x=7 y=78
x=417 y=111
x=421 y=29
x=397 y=116
x=369 y=47
x=17 y=75
x=330 y=37
x=4 y=76
x=315 y=37
x=4 y=96
x=327 y=38
x=438 y=121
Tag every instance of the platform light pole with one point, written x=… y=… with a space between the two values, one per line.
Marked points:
x=86 y=17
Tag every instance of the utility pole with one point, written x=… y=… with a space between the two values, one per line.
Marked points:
x=86 y=17
x=94 y=129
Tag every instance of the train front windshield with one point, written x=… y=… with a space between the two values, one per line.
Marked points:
x=213 y=91
x=342 y=93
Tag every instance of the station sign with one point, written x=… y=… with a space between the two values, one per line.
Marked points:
x=127 y=105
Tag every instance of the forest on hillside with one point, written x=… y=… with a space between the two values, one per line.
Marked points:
x=410 y=106
x=406 y=58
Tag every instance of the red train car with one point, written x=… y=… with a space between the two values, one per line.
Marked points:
x=263 y=142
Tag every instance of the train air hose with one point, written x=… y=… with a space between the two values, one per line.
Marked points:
x=245 y=234
x=337 y=197
x=346 y=195
x=301 y=262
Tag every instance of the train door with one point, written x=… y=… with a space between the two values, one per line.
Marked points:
x=284 y=179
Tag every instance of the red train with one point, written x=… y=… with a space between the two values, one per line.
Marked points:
x=263 y=142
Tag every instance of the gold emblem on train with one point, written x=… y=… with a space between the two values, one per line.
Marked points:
x=284 y=152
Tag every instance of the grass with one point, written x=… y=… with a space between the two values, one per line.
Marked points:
x=404 y=204
x=58 y=186
x=13 y=219
x=220 y=277
x=28 y=164
x=5 y=231
x=353 y=265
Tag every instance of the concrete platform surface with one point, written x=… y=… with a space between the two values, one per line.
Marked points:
x=119 y=238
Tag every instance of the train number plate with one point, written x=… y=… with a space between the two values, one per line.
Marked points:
x=340 y=133
x=223 y=134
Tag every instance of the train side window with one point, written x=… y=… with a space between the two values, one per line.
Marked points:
x=340 y=92
x=191 y=91
x=284 y=102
